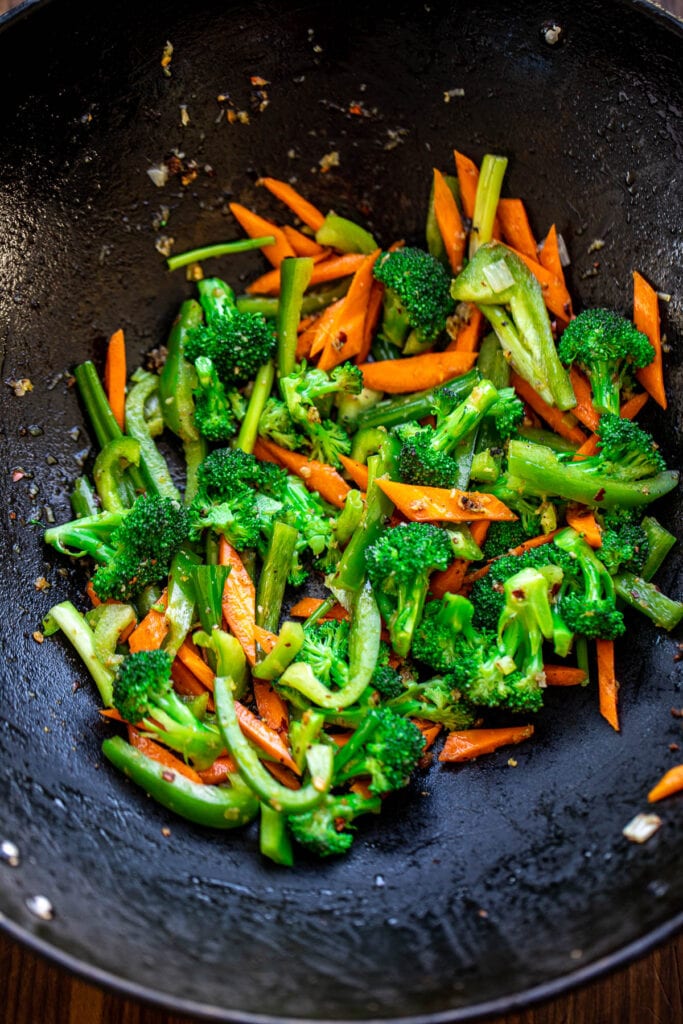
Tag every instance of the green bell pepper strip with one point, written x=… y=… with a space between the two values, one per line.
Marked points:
x=276 y=567
x=295 y=275
x=65 y=616
x=274 y=794
x=364 y=641
x=344 y=235
x=274 y=840
x=304 y=732
x=645 y=597
x=153 y=464
x=660 y=543
x=209 y=584
x=110 y=465
x=392 y=411
x=212 y=806
x=182 y=600
x=349 y=518
x=289 y=643
x=108 y=621
x=83 y=499
x=263 y=383
x=207 y=252
x=546 y=437
x=228 y=657
x=177 y=381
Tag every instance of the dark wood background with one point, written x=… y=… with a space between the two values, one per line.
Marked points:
x=650 y=991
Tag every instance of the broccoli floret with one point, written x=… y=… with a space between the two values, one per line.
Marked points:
x=504 y=536
x=507 y=411
x=417 y=299
x=487 y=593
x=386 y=680
x=144 y=696
x=228 y=497
x=399 y=565
x=323 y=831
x=496 y=278
x=390 y=754
x=326 y=650
x=591 y=609
x=213 y=412
x=607 y=347
x=436 y=700
x=625 y=544
x=307 y=394
x=627 y=452
x=436 y=640
x=133 y=548
x=236 y=343
x=277 y=425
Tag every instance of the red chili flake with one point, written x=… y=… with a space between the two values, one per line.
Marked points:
x=600 y=495
x=257 y=80
x=677 y=712
x=168 y=776
x=673 y=747
x=18 y=475
x=356 y=109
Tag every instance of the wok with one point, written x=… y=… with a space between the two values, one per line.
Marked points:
x=479 y=888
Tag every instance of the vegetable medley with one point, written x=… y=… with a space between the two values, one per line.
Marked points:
x=414 y=490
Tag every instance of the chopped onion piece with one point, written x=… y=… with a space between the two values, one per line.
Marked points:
x=565 y=258
x=642 y=827
x=159 y=175
x=499 y=276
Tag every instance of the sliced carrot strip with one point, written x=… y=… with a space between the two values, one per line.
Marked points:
x=257 y=227
x=515 y=227
x=302 y=244
x=358 y=471
x=151 y=632
x=470 y=743
x=564 y=675
x=307 y=605
x=307 y=213
x=468 y=179
x=608 y=687
x=437 y=504
x=161 y=755
x=282 y=774
x=581 y=519
x=449 y=221
x=430 y=731
x=646 y=319
x=416 y=373
x=115 y=376
x=239 y=599
x=186 y=682
x=326 y=326
x=316 y=475
x=563 y=423
x=584 y=410
x=197 y=666
x=549 y=254
x=346 y=339
x=555 y=294
x=264 y=737
x=329 y=269
x=372 y=316
x=670 y=783
x=469 y=333
x=219 y=772
x=265 y=639
x=271 y=707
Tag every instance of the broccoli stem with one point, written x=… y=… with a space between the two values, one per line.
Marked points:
x=391 y=412
x=263 y=383
x=491 y=362
x=348 y=521
x=274 y=841
x=65 y=616
x=313 y=302
x=209 y=583
x=206 y=252
x=213 y=806
x=277 y=566
x=272 y=793
x=645 y=597
x=537 y=435
x=111 y=462
x=362 y=733
x=84 y=499
x=295 y=275
x=491 y=174
x=540 y=472
x=660 y=543
x=152 y=463
x=342 y=234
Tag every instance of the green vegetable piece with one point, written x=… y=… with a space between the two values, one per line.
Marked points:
x=342 y=234
x=111 y=462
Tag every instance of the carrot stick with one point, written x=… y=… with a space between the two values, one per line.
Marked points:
x=307 y=213
x=450 y=222
x=470 y=743
x=430 y=731
x=282 y=774
x=451 y=579
x=437 y=504
x=468 y=179
x=115 y=376
x=608 y=687
x=646 y=319
x=515 y=227
x=264 y=737
x=670 y=783
x=219 y=772
x=316 y=475
x=271 y=707
x=358 y=471
x=584 y=410
x=257 y=227
x=581 y=519
x=555 y=294
x=416 y=373
x=151 y=631
x=187 y=683
x=346 y=341
x=329 y=269
x=199 y=669
x=326 y=326
x=302 y=244
x=469 y=333
x=629 y=411
x=549 y=254
x=372 y=315
x=564 y=675
x=563 y=423
x=161 y=755
x=239 y=599
x=265 y=639
x=304 y=343
x=307 y=605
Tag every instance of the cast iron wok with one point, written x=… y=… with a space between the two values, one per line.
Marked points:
x=479 y=888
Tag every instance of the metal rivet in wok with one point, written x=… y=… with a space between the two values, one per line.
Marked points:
x=41 y=907
x=9 y=852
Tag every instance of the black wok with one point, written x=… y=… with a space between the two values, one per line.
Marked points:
x=480 y=887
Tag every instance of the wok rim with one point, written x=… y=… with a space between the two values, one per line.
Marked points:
x=543 y=992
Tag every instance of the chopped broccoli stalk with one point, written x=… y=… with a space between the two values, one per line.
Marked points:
x=213 y=413
x=491 y=174
x=143 y=694
x=660 y=542
x=417 y=300
x=590 y=610
x=399 y=565
x=386 y=747
x=76 y=629
x=295 y=276
x=324 y=831
x=607 y=347
x=524 y=333
x=648 y=599
x=627 y=452
x=625 y=544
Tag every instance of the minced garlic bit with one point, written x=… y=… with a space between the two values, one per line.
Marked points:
x=20 y=386
x=166 y=58
x=38 y=636
x=164 y=244
x=329 y=160
x=512 y=763
x=158 y=174
x=41 y=583
x=451 y=94
x=596 y=245
x=184 y=116
x=642 y=827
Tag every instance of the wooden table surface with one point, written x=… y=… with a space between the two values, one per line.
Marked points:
x=650 y=991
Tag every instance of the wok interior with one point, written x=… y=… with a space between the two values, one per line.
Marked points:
x=478 y=883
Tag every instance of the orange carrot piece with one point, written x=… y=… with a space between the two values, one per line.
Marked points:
x=307 y=605
x=265 y=639
x=197 y=666
x=469 y=334
x=161 y=755
x=302 y=244
x=372 y=316
x=326 y=326
x=151 y=631
x=92 y=596
x=533 y=542
x=563 y=423
x=346 y=339
x=282 y=774
x=316 y=475
x=670 y=783
x=430 y=731
x=584 y=410
x=307 y=213
x=646 y=319
x=549 y=254
x=111 y=714
x=219 y=772
x=263 y=736
x=515 y=227
x=358 y=471
x=449 y=221
x=256 y=227
x=304 y=343
x=115 y=376
x=468 y=179
x=582 y=519
x=329 y=269
x=362 y=788
x=239 y=599
x=564 y=675
x=438 y=504
x=186 y=683
x=555 y=294
x=629 y=411
x=470 y=743
x=416 y=373
x=589 y=447
x=451 y=579
x=608 y=687
x=271 y=707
